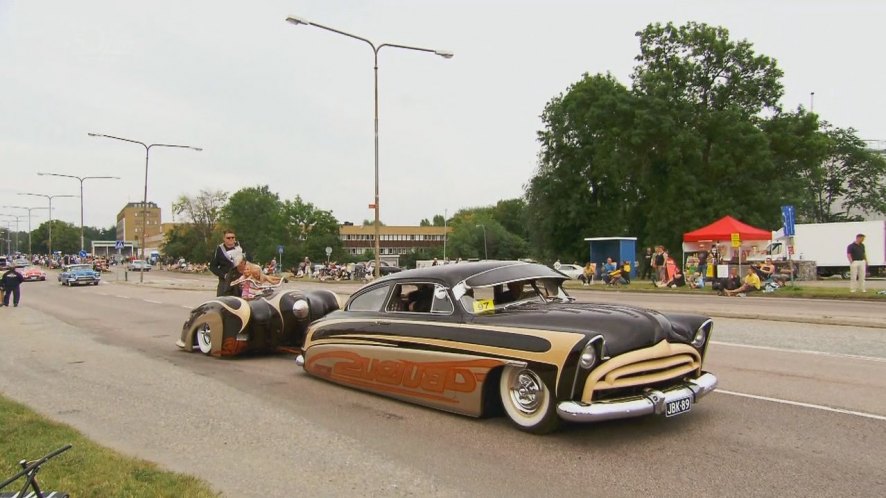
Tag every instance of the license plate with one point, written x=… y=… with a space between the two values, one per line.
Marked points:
x=678 y=406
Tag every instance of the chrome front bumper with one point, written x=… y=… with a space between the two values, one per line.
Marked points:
x=651 y=402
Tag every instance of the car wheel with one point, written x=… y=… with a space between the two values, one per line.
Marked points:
x=203 y=337
x=527 y=400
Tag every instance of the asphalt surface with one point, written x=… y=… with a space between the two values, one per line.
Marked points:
x=801 y=409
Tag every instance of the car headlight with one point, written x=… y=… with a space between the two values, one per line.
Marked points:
x=300 y=308
x=588 y=356
x=701 y=335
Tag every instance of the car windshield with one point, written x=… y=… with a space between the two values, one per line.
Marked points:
x=510 y=295
x=79 y=267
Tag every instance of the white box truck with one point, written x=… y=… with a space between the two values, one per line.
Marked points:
x=825 y=243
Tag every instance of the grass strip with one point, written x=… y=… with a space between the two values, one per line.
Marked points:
x=85 y=470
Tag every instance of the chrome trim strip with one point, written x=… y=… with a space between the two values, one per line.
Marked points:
x=653 y=402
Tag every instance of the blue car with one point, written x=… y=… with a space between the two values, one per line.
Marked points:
x=79 y=275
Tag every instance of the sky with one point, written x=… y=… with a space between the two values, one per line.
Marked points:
x=292 y=107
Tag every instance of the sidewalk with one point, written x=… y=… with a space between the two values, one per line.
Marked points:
x=847 y=312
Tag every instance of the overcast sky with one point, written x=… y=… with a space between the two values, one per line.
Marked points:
x=292 y=107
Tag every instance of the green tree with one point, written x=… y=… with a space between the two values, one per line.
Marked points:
x=202 y=212
x=65 y=238
x=185 y=241
x=849 y=177
x=310 y=231
x=256 y=215
x=685 y=145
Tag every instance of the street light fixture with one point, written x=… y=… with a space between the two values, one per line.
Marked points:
x=81 y=178
x=50 y=197
x=30 y=254
x=147 y=147
x=485 y=250
x=375 y=49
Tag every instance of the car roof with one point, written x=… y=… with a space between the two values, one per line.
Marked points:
x=477 y=274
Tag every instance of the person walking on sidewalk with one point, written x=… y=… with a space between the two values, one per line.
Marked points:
x=857 y=263
x=12 y=281
x=223 y=262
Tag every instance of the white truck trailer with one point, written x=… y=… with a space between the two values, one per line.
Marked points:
x=825 y=243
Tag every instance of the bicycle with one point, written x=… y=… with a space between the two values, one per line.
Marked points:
x=29 y=472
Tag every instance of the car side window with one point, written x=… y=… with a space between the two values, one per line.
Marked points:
x=442 y=304
x=370 y=301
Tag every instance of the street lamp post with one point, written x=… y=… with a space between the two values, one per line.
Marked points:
x=30 y=254
x=147 y=147
x=17 y=217
x=485 y=250
x=375 y=49
x=81 y=178
x=50 y=197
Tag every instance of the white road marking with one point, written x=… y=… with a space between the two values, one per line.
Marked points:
x=122 y=297
x=150 y=301
x=801 y=351
x=804 y=405
x=187 y=307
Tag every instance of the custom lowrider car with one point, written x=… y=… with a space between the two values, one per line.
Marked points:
x=471 y=337
x=230 y=326
x=81 y=274
x=33 y=273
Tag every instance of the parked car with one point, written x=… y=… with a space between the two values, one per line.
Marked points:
x=571 y=271
x=140 y=265
x=33 y=273
x=21 y=263
x=81 y=274
x=230 y=326
x=475 y=337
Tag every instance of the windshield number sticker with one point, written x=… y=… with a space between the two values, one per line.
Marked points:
x=482 y=305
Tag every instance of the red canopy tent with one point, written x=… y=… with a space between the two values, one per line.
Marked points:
x=723 y=229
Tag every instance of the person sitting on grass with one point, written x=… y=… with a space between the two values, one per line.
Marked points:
x=678 y=280
x=751 y=283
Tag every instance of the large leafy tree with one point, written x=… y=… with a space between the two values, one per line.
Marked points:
x=65 y=238
x=698 y=135
x=309 y=231
x=256 y=215
x=195 y=238
x=848 y=179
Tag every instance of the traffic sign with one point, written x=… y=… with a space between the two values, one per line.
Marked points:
x=82 y=253
x=788 y=215
x=328 y=250
x=736 y=239
x=118 y=245
x=280 y=249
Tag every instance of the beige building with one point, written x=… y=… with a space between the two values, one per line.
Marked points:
x=393 y=240
x=130 y=222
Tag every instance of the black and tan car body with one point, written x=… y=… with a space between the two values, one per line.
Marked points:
x=231 y=326
x=543 y=358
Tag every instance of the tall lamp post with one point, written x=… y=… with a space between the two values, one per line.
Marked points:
x=81 y=178
x=375 y=49
x=141 y=274
x=30 y=254
x=485 y=250
x=50 y=197
x=17 y=217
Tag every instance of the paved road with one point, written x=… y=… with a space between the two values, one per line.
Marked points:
x=801 y=412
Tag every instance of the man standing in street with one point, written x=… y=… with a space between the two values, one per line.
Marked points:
x=12 y=281
x=223 y=262
x=857 y=263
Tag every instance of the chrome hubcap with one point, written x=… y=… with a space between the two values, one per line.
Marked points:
x=526 y=391
x=204 y=335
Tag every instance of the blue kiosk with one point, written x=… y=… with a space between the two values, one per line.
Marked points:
x=620 y=249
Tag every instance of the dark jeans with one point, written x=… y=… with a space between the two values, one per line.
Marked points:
x=16 y=293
